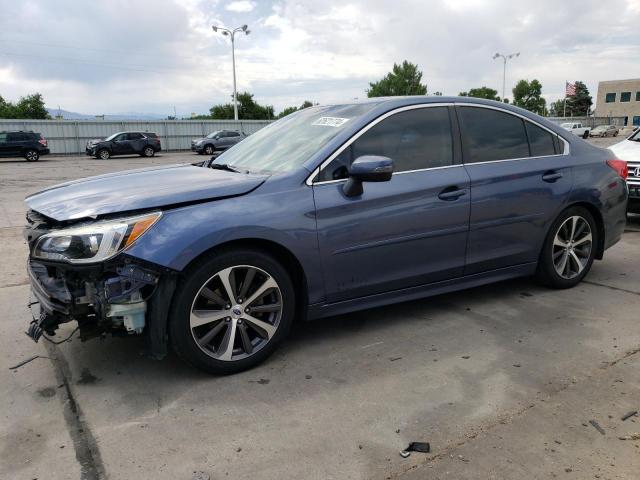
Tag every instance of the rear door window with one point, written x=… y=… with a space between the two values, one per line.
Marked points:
x=489 y=135
x=134 y=136
x=540 y=141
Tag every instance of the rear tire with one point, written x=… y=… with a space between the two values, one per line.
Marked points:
x=103 y=154
x=257 y=323
x=585 y=135
x=569 y=249
x=31 y=155
x=148 y=152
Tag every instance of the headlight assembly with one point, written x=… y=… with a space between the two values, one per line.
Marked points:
x=94 y=242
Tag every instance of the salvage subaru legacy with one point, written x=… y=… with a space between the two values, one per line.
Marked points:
x=329 y=210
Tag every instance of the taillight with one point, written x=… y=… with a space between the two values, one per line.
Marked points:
x=42 y=142
x=620 y=166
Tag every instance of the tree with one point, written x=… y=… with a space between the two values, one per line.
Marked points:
x=402 y=80
x=482 y=92
x=248 y=109
x=29 y=107
x=528 y=95
x=580 y=103
x=290 y=110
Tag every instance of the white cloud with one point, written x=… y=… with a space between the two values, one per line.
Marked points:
x=240 y=6
x=302 y=49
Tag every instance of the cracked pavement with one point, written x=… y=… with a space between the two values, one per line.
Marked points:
x=501 y=380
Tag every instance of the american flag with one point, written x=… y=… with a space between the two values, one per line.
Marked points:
x=570 y=89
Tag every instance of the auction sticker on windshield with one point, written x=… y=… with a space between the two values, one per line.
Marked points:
x=330 y=121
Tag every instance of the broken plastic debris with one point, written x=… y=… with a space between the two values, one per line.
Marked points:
x=597 y=426
x=422 y=447
x=629 y=415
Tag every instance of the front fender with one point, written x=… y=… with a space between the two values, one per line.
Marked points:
x=286 y=218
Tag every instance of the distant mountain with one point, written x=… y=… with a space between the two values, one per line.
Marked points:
x=67 y=115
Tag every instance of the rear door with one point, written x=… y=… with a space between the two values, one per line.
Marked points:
x=406 y=232
x=137 y=142
x=519 y=181
x=14 y=144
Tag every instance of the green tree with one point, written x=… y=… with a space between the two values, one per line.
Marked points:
x=29 y=107
x=248 y=109
x=290 y=110
x=579 y=104
x=402 y=80
x=482 y=92
x=556 y=109
x=528 y=95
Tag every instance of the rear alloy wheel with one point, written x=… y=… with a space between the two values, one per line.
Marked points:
x=209 y=149
x=103 y=154
x=232 y=311
x=31 y=155
x=585 y=135
x=569 y=250
x=148 y=152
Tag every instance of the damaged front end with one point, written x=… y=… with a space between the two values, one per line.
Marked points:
x=79 y=273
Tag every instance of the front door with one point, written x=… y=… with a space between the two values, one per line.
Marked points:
x=409 y=231
x=121 y=144
x=519 y=181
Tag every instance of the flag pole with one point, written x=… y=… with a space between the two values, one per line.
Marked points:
x=565 y=99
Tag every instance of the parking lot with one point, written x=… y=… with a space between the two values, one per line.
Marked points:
x=502 y=381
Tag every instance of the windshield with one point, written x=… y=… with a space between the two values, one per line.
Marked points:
x=635 y=137
x=286 y=144
x=213 y=134
x=111 y=137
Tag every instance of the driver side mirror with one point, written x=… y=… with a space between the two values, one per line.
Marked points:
x=367 y=168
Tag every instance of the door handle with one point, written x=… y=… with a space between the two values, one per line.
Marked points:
x=451 y=193
x=551 y=176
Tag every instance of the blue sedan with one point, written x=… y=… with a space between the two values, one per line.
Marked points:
x=329 y=210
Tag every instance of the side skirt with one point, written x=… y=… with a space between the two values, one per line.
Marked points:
x=318 y=310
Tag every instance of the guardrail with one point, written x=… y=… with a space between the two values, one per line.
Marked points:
x=69 y=137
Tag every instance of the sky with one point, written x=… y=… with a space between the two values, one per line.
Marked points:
x=151 y=56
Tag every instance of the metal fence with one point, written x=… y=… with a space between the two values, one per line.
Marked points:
x=69 y=137
x=589 y=121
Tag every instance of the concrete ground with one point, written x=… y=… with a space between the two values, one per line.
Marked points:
x=502 y=380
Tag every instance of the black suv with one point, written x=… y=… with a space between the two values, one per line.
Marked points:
x=125 y=143
x=218 y=140
x=29 y=145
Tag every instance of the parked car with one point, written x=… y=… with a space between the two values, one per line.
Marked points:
x=29 y=145
x=629 y=150
x=219 y=140
x=124 y=143
x=577 y=129
x=329 y=210
x=604 y=131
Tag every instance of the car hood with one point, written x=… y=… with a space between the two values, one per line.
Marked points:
x=627 y=150
x=140 y=189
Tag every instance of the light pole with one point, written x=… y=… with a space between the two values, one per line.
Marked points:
x=232 y=33
x=504 y=68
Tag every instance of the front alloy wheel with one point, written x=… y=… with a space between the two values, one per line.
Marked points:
x=231 y=310
x=209 y=150
x=236 y=312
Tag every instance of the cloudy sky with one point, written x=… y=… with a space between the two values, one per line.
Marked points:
x=116 y=56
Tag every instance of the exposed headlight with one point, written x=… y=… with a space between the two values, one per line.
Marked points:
x=95 y=242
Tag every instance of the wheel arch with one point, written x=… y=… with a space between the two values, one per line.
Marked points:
x=281 y=253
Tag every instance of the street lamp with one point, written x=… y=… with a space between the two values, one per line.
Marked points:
x=504 y=68
x=232 y=33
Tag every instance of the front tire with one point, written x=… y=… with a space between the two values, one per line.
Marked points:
x=209 y=149
x=231 y=311
x=31 y=155
x=585 y=135
x=569 y=249
x=103 y=154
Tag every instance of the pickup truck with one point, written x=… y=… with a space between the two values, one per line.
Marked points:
x=577 y=129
